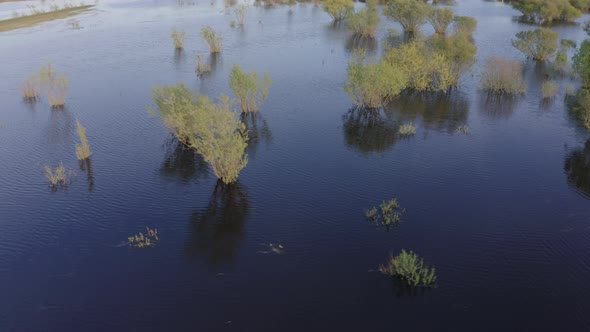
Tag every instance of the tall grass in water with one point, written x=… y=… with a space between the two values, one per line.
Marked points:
x=549 y=89
x=58 y=177
x=407 y=129
x=29 y=89
x=250 y=89
x=212 y=38
x=502 y=76
x=201 y=67
x=54 y=85
x=178 y=38
x=409 y=267
x=82 y=149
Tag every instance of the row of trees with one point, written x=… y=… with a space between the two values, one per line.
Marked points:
x=546 y=11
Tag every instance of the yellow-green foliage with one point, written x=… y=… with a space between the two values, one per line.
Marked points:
x=212 y=38
x=407 y=129
x=372 y=85
x=213 y=130
x=54 y=85
x=58 y=177
x=144 y=241
x=364 y=22
x=464 y=24
x=538 y=44
x=202 y=68
x=410 y=268
x=543 y=11
x=411 y=14
x=178 y=38
x=82 y=149
x=338 y=9
x=502 y=76
x=250 y=89
x=29 y=88
x=549 y=89
x=440 y=18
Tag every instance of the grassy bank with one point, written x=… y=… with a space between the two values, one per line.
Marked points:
x=30 y=20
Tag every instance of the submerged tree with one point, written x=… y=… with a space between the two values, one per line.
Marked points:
x=440 y=18
x=503 y=76
x=364 y=22
x=538 y=44
x=543 y=11
x=338 y=9
x=250 y=89
x=411 y=14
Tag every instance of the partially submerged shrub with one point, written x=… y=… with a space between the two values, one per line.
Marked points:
x=250 y=89
x=464 y=25
x=212 y=38
x=82 y=149
x=544 y=11
x=372 y=85
x=57 y=177
x=29 y=89
x=407 y=129
x=202 y=67
x=440 y=18
x=581 y=61
x=364 y=22
x=387 y=214
x=502 y=76
x=338 y=9
x=549 y=89
x=178 y=38
x=240 y=12
x=409 y=267
x=538 y=44
x=146 y=240
x=411 y=14
x=54 y=85
x=213 y=130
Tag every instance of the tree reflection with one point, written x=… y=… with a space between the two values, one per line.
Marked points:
x=258 y=131
x=60 y=126
x=497 y=106
x=183 y=163
x=438 y=111
x=369 y=130
x=86 y=166
x=367 y=44
x=217 y=230
x=577 y=168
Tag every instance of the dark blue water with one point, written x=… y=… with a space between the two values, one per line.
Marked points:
x=502 y=212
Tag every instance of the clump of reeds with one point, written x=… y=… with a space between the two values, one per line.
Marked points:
x=503 y=76
x=57 y=177
x=212 y=38
x=407 y=129
x=146 y=240
x=55 y=86
x=202 y=67
x=29 y=89
x=178 y=38
x=409 y=267
x=82 y=149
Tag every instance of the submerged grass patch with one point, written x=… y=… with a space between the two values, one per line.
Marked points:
x=503 y=76
x=387 y=214
x=409 y=267
x=140 y=240
x=58 y=177
x=30 y=20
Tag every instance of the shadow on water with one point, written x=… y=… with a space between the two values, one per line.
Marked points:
x=577 y=169
x=401 y=289
x=497 y=106
x=436 y=111
x=86 y=166
x=217 y=230
x=369 y=130
x=258 y=131
x=367 y=44
x=182 y=163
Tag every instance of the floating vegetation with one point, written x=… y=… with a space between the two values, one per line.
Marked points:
x=407 y=129
x=82 y=149
x=273 y=248
x=212 y=38
x=410 y=268
x=58 y=177
x=140 y=240
x=462 y=130
x=178 y=38
x=387 y=214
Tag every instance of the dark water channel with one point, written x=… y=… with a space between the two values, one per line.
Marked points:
x=502 y=212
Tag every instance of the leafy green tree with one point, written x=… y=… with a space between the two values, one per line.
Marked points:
x=411 y=14
x=538 y=44
x=338 y=9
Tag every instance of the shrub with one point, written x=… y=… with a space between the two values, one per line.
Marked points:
x=82 y=149
x=549 y=89
x=212 y=38
x=407 y=129
x=54 y=85
x=338 y=9
x=464 y=24
x=502 y=76
x=459 y=53
x=440 y=19
x=201 y=67
x=58 y=177
x=29 y=89
x=178 y=38
x=372 y=85
x=542 y=11
x=581 y=62
x=411 y=14
x=240 y=12
x=388 y=214
x=364 y=22
x=144 y=241
x=538 y=44
x=213 y=130
x=250 y=89
x=409 y=267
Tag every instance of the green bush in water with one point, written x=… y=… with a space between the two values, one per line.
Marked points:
x=409 y=267
x=538 y=44
x=364 y=22
x=387 y=214
x=338 y=9
x=411 y=14
x=544 y=11
x=250 y=89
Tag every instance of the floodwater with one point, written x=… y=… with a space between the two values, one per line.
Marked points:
x=503 y=212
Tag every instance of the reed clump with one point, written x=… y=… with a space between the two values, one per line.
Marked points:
x=410 y=268
x=212 y=38
x=250 y=89
x=54 y=85
x=202 y=67
x=502 y=76
x=30 y=89
x=178 y=38
x=58 y=177
x=147 y=240
x=82 y=149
